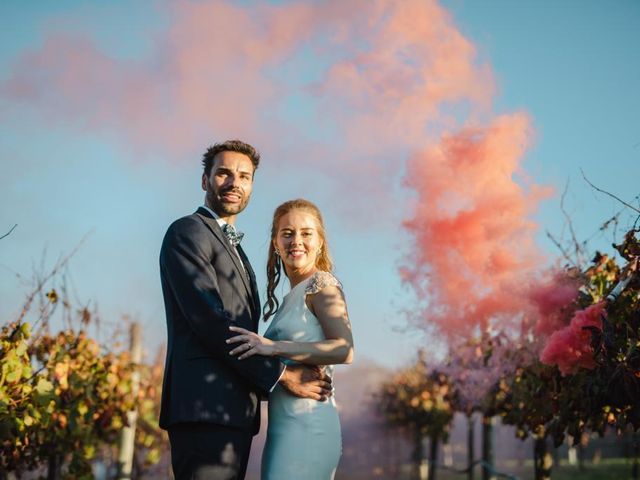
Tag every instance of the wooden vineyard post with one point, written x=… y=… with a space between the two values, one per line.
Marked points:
x=127 y=438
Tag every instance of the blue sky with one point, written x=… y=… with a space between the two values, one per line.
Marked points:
x=573 y=66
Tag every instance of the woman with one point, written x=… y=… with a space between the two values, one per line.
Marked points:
x=312 y=327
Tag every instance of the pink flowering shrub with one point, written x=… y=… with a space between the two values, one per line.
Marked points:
x=570 y=347
x=476 y=367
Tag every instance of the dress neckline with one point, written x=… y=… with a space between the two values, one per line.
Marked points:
x=306 y=280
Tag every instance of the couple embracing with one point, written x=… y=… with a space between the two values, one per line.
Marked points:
x=217 y=367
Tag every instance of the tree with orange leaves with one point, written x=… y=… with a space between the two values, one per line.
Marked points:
x=64 y=398
x=418 y=400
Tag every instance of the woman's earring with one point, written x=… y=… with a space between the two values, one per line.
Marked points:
x=319 y=251
x=276 y=253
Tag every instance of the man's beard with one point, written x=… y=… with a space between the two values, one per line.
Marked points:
x=222 y=208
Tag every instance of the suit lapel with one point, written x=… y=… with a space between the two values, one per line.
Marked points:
x=217 y=232
x=254 y=285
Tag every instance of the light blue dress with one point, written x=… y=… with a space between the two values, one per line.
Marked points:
x=303 y=435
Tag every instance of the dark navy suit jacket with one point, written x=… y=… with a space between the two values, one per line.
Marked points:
x=206 y=289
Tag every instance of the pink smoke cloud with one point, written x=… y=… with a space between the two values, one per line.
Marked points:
x=383 y=79
x=554 y=302
x=473 y=252
x=395 y=90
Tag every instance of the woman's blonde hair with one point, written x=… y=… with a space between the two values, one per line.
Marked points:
x=274 y=263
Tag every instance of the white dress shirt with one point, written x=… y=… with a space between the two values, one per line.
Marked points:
x=222 y=223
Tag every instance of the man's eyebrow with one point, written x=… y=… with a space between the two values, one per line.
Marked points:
x=223 y=168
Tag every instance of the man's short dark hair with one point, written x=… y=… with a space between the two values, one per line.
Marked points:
x=229 y=146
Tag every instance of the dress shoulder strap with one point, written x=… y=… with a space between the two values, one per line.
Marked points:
x=320 y=280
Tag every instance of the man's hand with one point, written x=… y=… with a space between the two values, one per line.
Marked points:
x=307 y=382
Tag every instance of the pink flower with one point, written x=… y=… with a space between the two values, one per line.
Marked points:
x=570 y=347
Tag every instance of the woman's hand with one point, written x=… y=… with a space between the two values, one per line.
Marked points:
x=250 y=344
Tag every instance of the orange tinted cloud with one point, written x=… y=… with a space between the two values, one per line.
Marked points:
x=386 y=71
x=204 y=79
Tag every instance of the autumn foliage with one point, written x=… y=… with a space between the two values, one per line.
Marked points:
x=573 y=367
x=64 y=398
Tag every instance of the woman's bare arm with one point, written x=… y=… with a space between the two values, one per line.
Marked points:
x=330 y=308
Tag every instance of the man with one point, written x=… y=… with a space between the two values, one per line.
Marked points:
x=210 y=399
